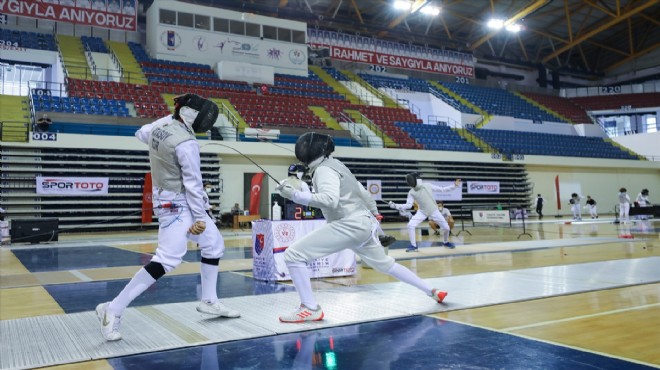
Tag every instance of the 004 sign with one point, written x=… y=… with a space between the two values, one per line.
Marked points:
x=44 y=136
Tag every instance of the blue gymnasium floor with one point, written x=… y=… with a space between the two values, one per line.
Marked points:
x=411 y=342
x=418 y=342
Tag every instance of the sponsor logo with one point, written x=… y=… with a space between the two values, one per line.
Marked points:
x=285 y=233
x=297 y=56
x=274 y=54
x=374 y=188
x=343 y=269
x=259 y=244
x=170 y=39
x=485 y=187
x=90 y=186
x=200 y=43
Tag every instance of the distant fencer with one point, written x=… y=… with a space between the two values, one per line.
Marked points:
x=575 y=206
x=624 y=205
x=592 y=206
x=643 y=201
x=351 y=216
x=422 y=193
x=180 y=203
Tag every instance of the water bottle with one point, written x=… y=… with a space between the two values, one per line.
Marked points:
x=277 y=212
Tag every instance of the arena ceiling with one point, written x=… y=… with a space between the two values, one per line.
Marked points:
x=589 y=35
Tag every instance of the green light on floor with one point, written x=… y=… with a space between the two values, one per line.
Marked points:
x=330 y=360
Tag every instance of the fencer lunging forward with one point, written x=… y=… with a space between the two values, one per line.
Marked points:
x=350 y=213
x=180 y=204
x=422 y=193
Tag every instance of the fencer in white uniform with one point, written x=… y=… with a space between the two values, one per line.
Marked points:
x=624 y=206
x=592 y=206
x=180 y=203
x=350 y=213
x=643 y=201
x=422 y=193
x=576 y=208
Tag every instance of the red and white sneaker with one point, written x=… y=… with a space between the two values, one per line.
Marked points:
x=438 y=295
x=303 y=314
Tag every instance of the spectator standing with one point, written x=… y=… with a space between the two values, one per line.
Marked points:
x=539 y=206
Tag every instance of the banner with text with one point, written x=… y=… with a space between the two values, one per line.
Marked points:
x=72 y=185
x=483 y=187
x=374 y=188
x=396 y=61
x=498 y=217
x=456 y=194
x=271 y=238
x=114 y=14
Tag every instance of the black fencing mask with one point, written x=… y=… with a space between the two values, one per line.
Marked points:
x=411 y=179
x=311 y=146
x=202 y=113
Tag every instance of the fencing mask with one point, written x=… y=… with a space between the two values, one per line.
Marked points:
x=196 y=112
x=411 y=179
x=311 y=146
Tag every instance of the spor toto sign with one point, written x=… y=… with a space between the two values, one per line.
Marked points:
x=72 y=185
x=484 y=187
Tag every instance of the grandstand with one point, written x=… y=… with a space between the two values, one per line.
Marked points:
x=395 y=101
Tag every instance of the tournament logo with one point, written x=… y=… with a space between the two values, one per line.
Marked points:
x=297 y=56
x=200 y=43
x=170 y=39
x=274 y=54
x=285 y=233
x=374 y=189
x=259 y=244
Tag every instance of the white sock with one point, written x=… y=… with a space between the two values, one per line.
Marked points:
x=445 y=235
x=303 y=283
x=209 y=275
x=408 y=277
x=138 y=284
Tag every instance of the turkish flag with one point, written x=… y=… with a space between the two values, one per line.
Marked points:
x=255 y=193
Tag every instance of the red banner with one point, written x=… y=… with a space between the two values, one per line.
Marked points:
x=147 y=203
x=557 y=191
x=396 y=61
x=255 y=193
x=97 y=13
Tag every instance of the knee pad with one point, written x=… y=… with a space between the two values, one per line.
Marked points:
x=211 y=261
x=155 y=269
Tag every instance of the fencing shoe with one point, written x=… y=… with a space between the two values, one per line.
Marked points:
x=217 y=309
x=303 y=314
x=109 y=322
x=412 y=248
x=386 y=240
x=449 y=245
x=438 y=295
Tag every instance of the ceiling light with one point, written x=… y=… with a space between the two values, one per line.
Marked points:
x=496 y=23
x=402 y=5
x=430 y=10
x=513 y=28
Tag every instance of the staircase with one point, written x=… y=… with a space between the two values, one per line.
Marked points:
x=336 y=85
x=131 y=69
x=15 y=119
x=73 y=57
x=477 y=141
x=326 y=118
x=387 y=101
x=614 y=143
x=359 y=118
x=486 y=117
x=543 y=107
